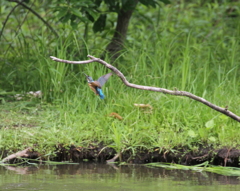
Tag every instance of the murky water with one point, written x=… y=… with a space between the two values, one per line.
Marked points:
x=91 y=176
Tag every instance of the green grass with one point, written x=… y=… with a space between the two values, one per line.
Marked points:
x=226 y=171
x=190 y=48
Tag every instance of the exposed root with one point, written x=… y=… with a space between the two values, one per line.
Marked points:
x=101 y=153
x=114 y=158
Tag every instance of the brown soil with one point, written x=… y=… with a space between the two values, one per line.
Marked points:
x=184 y=156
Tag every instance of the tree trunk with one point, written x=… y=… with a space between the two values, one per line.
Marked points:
x=124 y=16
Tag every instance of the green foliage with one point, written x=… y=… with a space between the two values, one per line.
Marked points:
x=181 y=46
x=75 y=11
x=94 y=11
x=153 y=3
x=100 y=23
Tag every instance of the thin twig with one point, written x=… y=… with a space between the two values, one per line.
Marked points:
x=5 y=21
x=224 y=111
x=35 y=13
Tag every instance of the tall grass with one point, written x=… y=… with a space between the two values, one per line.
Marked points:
x=186 y=51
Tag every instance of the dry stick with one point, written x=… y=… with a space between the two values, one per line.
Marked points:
x=23 y=153
x=225 y=111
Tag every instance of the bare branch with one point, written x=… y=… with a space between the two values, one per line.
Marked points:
x=5 y=21
x=36 y=14
x=224 y=111
x=24 y=153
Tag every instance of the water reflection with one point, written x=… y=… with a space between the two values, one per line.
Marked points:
x=94 y=176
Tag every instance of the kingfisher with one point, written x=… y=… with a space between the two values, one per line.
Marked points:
x=96 y=86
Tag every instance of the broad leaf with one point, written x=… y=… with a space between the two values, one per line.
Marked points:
x=210 y=124
x=76 y=12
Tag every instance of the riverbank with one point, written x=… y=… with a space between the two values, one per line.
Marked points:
x=35 y=125
x=184 y=46
x=101 y=153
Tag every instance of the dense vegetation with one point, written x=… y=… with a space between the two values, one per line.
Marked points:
x=191 y=46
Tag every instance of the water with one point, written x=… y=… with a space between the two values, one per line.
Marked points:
x=92 y=176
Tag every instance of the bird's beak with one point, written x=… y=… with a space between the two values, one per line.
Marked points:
x=89 y=79
x=86 y=75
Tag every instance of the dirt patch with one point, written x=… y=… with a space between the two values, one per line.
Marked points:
x=184 y=156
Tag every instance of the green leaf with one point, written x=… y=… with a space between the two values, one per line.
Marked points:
x=210 y=124
x=73 y=24
x=224 y=117
x=62 y=12
x=166 y=1
x=191 y=133
x=112 y=5
x=153 y=3
x=148 y=3
x=212 y=139
x=76 y=12
x=66 y=17
x=91 y=15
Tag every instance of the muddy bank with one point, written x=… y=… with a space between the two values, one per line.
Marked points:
x=101 y=153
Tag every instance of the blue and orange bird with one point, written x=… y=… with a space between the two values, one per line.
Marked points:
x=96 y=86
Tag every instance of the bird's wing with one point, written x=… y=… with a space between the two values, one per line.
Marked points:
x=95 y=84
x=102 y=80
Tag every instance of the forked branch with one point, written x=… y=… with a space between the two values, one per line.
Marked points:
x=224 y=111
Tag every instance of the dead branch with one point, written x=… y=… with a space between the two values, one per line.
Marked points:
x=224 y=111
x=23 y=153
